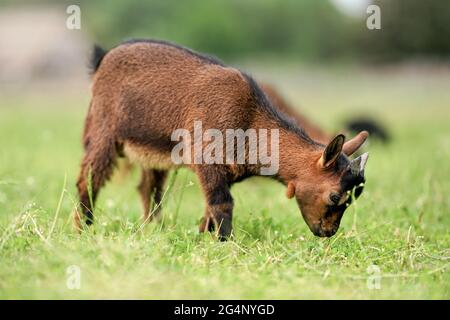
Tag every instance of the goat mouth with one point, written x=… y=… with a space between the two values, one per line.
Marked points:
x=318 y=231
x=325 y=233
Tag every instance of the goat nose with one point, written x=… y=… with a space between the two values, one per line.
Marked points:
x=332 y=231
x=317 y=230
x=329 y=233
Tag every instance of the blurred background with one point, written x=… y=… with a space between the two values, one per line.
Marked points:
x=36 y=45
x=319 y=54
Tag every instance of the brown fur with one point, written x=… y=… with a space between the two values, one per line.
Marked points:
x=143 y=91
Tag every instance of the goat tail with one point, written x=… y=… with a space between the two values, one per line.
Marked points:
x=97 y=55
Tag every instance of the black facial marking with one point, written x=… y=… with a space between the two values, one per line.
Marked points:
x=350 y=181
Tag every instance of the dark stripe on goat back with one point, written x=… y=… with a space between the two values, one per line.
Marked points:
x=201 y=56
x=282 y=119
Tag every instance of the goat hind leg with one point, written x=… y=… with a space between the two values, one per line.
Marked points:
x=96 y=168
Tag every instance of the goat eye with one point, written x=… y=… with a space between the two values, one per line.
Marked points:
x=334 y=197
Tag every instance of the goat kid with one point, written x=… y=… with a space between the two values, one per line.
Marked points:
x=144 y=90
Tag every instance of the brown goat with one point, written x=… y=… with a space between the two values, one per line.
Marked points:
x=145 y=90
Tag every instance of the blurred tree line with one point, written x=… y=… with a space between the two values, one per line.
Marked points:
x=410 y=29
x=227 y=28
x=291 y=29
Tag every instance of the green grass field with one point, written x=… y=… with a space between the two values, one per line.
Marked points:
x=400 y=224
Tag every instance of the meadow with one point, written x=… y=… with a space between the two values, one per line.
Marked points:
x=400 y=224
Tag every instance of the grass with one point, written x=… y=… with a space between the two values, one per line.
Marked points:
x=400 y=224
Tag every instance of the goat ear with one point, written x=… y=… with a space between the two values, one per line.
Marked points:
x=354 y=144
x=290 y=192
x=332 y=151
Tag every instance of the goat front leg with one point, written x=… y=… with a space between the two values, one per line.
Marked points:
x=219 y=203
x=151 y=185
